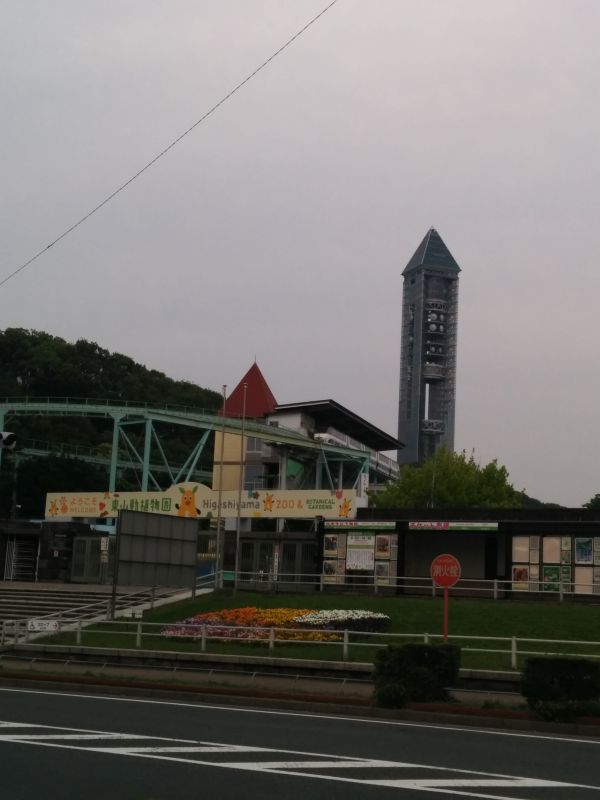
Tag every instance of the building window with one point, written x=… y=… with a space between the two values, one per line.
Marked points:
x=254 y=477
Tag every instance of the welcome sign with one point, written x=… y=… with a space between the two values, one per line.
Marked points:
x=197 y=500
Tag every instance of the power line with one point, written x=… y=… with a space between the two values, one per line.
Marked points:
x=168 y=147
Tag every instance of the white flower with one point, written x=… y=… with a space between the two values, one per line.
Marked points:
x=328 y=616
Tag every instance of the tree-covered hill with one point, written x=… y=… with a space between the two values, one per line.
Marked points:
x=35 y=364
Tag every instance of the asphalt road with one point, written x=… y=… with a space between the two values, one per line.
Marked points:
x=65 y=746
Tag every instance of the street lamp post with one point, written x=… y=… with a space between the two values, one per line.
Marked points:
x=220 y=533
x=240 y=486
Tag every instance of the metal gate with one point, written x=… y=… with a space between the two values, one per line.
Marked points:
x=92 y=559
x=265 y=562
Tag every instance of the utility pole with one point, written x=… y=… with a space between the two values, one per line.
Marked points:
x=220 y=522
x=240 y=486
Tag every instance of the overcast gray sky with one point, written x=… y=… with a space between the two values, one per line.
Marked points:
x=280 y=227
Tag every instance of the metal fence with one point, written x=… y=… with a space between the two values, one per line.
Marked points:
x=322 y=643
x=90 y=625
x=133 y=604
x=496 y=589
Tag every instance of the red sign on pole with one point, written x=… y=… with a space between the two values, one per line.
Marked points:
x=445 y=572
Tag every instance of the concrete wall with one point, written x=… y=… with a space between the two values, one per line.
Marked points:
x=422 y=547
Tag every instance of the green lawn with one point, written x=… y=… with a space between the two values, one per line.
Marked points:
x=415 y=616
x=548 y=620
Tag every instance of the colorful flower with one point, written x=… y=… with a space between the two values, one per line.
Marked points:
x=295 y=624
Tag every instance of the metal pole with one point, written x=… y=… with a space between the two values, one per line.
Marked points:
x=13 y=502
x=147 y=446
x=114 y=454
x=240 y=485
x=221 y=534
x=1 y=428
x=113 y=596
x=445 y=613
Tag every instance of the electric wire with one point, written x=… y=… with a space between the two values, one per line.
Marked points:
x=169 y=146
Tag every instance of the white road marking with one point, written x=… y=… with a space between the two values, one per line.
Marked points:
x=432 y=783
x=187 y=749
x=15 y=725
x=309 y=765
x=11 y=737
x=200 y=706
x=341 y=763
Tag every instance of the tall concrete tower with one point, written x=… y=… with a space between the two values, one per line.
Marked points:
x=428 y=351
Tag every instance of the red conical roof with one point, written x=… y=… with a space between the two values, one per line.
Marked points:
x=260 y=400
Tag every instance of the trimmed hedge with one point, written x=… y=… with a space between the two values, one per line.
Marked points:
x=419 y=672
x=561 y=688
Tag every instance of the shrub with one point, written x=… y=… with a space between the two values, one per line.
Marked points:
x=419 y=672
x=561 y=688
x=392 y=695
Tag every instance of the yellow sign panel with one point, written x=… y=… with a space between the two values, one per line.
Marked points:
x=197 y=500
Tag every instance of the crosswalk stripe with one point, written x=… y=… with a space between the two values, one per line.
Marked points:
x=17 y=725
x=181 y=749
x=432 y=783
x=449 y=781
x=339 y=764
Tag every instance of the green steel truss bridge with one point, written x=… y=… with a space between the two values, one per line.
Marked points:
x=151 y=462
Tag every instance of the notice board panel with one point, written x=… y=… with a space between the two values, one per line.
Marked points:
x=156 y=549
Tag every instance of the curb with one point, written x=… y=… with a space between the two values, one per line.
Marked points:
x=421 y=713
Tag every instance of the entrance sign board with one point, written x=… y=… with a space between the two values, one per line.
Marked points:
x=441 y=525
x=195 y=500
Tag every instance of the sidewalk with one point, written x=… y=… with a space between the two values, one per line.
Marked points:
x=447 y=714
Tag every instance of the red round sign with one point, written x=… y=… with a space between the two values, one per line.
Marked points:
x=445 y=570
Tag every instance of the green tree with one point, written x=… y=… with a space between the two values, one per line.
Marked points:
x=36 y=364
x=450 y=480
x=36 y=476
x=593 y=503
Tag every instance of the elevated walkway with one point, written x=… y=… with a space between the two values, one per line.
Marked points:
x=151 y=461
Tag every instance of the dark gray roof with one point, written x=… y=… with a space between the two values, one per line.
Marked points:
x=432 y=252
x=329 y=413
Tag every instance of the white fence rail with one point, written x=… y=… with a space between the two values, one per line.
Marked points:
x=148 y=636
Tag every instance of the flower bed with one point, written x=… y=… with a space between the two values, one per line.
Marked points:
x=293 y=624
x=346 y=619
